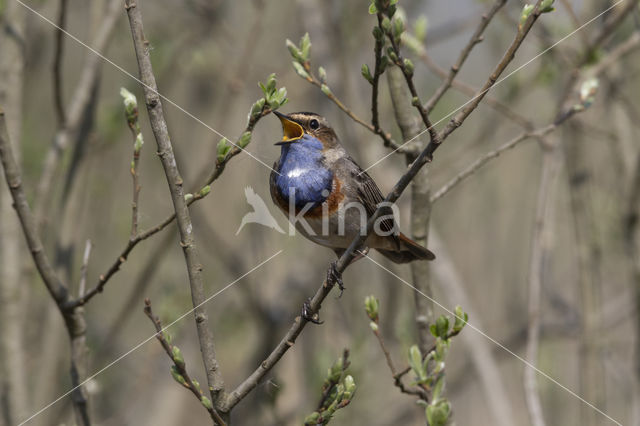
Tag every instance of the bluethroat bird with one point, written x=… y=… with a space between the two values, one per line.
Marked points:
x=327 y=196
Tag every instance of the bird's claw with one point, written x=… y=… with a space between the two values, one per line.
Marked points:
x=308 y=314
x=335 y=277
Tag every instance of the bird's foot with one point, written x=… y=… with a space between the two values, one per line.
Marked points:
x=335 y=277
x=308 y=314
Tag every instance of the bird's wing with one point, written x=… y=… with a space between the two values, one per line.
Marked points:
x=369 y=194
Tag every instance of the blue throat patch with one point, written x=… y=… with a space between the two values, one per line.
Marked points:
x=301 y=169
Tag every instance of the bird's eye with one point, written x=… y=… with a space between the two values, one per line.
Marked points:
x=314 y=124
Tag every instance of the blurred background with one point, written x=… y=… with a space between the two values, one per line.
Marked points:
x=208 y=57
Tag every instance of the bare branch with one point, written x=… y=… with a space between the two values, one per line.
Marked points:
x=174 y=180
x=57 y=63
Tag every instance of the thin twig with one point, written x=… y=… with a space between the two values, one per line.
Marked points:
x=179 y=364
x=57 y=64
x=174 y=180
x=83 y=270
x=464 y=53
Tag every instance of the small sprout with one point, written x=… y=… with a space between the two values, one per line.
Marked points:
x=526 y=11
x=130 y=101
x=416 y=364
x=176 y=353
x=386 y=24
x=335 y=371
x=392 y=54
x=257 y=107
x=441 y=327
x=438 y=414
x=312 y=419
x=244 y=139
x=408 y=67
x=546 y=6
x=301 y=71
x=325 y=89
x=295 y=52
x=377 y=33
x=415 y=101
x=349 y=386
x=372 y=8
x=305 y=47
x=205 y=190
x=420 y=28
x=372 y=305
x=366 y=73
x=398 y=28
x=223 y=149
x=374 y=326
x=460 y=320
x=206 y=402
x=188 y=197
x=177 y=376
x=196 y=385
x=322 y=74
x=438 y=389
x=384 y=62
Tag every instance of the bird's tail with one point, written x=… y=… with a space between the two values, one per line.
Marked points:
x=408 y=252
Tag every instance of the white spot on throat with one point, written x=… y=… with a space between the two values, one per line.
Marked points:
x=297 y=172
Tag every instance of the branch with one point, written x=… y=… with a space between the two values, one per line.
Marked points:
x=80 y=101
x=178 y=363
x=57 y=63
x=175 y=183
x=475 y=39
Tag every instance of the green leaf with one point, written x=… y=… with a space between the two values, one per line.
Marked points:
x=373 y=9
x=271 y=83
x=223 y=149
x=460 y=319
x=437 y=389
x=322 y=73
x=301 y=71
x=441 y=328
x=438 y=414
x=294 y=51
x=546 y=6
x=377 y=33
x=305 y=46
x=415 y=362
x=386 y=24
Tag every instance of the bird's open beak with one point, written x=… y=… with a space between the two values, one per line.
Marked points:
x=292 y=131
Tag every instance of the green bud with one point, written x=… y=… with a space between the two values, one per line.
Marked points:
x=244 y=139
x=295 y=52
x=325 y=89
x=271 y=83
x=349 y=384
x=177 y=376
x=196 y=385
x=322 y=73
x=408 y=67
x=526 y=11
x=546 y=6
x=256 y=109
x=384 y=62
x=392 y=54
x=374 y=326
x=386 y=24
x=415 y=362
x=301 y=71
x=415 y=101
x=312 y=419
x=223 y=149
x=438 y=414
x=188 y=197
x=176 y=353
x=420 y=28
x=398 y=28
x=130 y=101
x=366 y=73
x=305 y=46
x=371 y=306
x=377 y=33
x=205 y=190
x=441 y=327
x=206 y=402
x=372 y=8
x=335 y=371
x=460 y=320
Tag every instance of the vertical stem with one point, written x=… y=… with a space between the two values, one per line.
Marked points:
x=540 y=254
x=410 y=126
x=174 y=180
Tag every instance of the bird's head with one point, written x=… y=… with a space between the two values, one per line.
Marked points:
x=301 y=127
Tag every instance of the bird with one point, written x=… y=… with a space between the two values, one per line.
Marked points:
x=260 y=213
x=328 y=197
